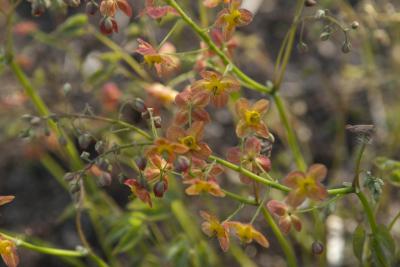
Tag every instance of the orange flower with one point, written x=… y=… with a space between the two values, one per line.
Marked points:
x=157 y=168
x=198 y=186
x=8 y=252
x=250 y=117
x=286 y=216
x=164 y=94
x=212 y=227
x=232 y=17
x=6 y=199
x=191 y=138
x=166 y=148
x=163 y=63
x=246 y=233
x=111 y=96
x=139 y=190
x=157 y=12
x=216 y=86
x=250 y=158
x=192 y=102
x=202 y=170
x=306 y=185
x=108 y=8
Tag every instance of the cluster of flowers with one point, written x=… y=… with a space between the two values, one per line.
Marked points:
x=8 y=249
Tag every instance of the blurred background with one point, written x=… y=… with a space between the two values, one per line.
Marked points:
x=324 y=89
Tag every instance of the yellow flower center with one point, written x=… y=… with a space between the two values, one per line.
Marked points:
x=215 y=87
x=252 y=117
x=189 y=141
x=306 y=184
x=153 y=59
x=232 y=18
x=245 y=234
x=5 y=247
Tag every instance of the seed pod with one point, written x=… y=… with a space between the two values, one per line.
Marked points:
x=84 y=140
x=104 y=179
x=160 y=188
x=85 y=155
x=309 y=3
x=141 y=162
x=139 y=105
x=317 y=248
x=355 y=25
x=302 y=47
x=91 y=8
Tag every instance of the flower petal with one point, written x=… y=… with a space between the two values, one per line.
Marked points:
x=124 y=6
x=293 y=178
x=277 y=207
x=317 y=172
x=6 y=199
x=261 y=106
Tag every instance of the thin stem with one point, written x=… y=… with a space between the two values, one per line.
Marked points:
x=241 y=199
x=356 y=181
x=392 y=223
x=286 y=247
x=206 y=38
x=260 y=206
x=169 y=34
x=233 y=214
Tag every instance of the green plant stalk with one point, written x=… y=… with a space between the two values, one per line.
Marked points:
x=206 y=38
x=286 y=247
x=276 y=185
x=393 y=222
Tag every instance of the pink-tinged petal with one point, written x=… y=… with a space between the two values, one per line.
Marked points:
x=193 y=190
x=206 y=216
x=261 y=106
x=219 y=101
x=233 y=155
x=228 y=31
x=296 y=223
x=261 y=130
x=6 y=199
x=179 y=148
x=200 y=99
x=317 y=192
x=264 y=162
x=296 y=197
x=151 y=173
x=159 y=69
x=246 y=17
x=130 y=182
x=201 y=114
x=174 y=133
x=244 y=179
x=285 y=223
x=204 y=152
x=220 y=21
x=277 y=207
x=181 y=117
x=211 y=3
x=241 y=106
x=196 y=130
x=317 y=172
x=206 y=228
x=224 y=242
x=293 y=178
x=145 y=48
x=11 y=259
x=210 y=75
x=124 y=6
x=216 y=170
x=253 y=145
x=215 y=190
x=232 y=84
x=181 y=99
x=156 y=12
x=241 y=129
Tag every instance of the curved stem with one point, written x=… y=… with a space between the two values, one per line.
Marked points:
x=392 y=223
x=286 y=247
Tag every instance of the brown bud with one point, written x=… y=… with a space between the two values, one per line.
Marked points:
x=38 y=8
x=160 y=188
x=355 y=25
x=141 y=162
x=182 y=164
x=309 y=3
x=139 y=105
x=104 y=179
x=91 y=8
x=317 y=248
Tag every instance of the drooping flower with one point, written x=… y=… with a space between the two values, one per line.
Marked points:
x=218 y=87
x=166 y=148
x=162 y=62
x=139 y=190
x=108 y=8
x=6 y=199
x=157 y=12
x=198 y=186
x=246 y=233
x=157 y=168
x=286 y=215
x=232 y=17
x=250 y=118
x=191 y=138
x=194 y=103
x=108 y=25
x=164 y=94
x=8 y=252
x=212 y=227
x=250 y=158
x=306 y=185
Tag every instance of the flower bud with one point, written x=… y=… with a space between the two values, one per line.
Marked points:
x=160 y=188
x=84 y=140
x=317 y=248
x=346 y=47
x=320 y=14
x=157 y=121
x=265 y=163
x=91 y=8
x=139 y=105
x=38 y=8
x=141 y=162
x=325 y=36
x=85 y=155
x=355 y=25
x=182 y=164
x=74 y=188
x=309 y=3
x=302 y=47
x=99 y=147
x=104 y=179
x=72 y=3
x=69 y=176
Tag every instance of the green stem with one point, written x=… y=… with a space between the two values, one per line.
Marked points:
x=286 y=247
x=291 y=137
x=241 y=199
x=169 y=34
x=206 y=38
x=392 y=223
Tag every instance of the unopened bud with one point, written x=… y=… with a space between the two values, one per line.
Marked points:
x=265 y=163
x=84 y=140
x=355 y=25
x=85 y=155
x=139 y=105
x=182 y=164
x=69 y=176
x=104 y=179
x=317 y=248
x=141 y=162
x=157 y=121
x=91 y=8
x=160 y=188
x=320 y=14
x=38 y=8
x=302 y=47
x=325 y=36
x=99 y=147
x=309 y=3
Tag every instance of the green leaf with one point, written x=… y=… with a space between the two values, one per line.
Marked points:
x=358 y=241
x=73 y=26
x=384 y=243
